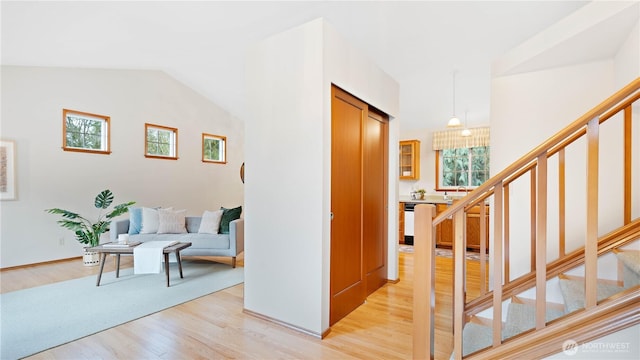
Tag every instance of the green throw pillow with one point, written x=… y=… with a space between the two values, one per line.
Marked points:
x=228 y=215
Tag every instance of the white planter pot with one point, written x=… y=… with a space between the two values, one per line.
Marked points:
x=90 y=258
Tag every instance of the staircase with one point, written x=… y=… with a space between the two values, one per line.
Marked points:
x=521 y=312
x=573 y=295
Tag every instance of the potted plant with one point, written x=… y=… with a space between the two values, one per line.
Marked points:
x=88 y=232
x=421 y=193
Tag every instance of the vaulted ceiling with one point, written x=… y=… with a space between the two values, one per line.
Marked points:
x=204 y=43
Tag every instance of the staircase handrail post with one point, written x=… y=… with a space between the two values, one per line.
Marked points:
x=591 y=245
x=424 y=297
x=459 y=276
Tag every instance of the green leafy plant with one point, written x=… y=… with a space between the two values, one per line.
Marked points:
x=88 y=232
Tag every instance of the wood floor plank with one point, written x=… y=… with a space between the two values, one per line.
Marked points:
x=215 y=327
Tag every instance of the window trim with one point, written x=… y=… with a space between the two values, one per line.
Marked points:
x=106 y=137
x=206 y=136
x=439 y=187
x=175 y=142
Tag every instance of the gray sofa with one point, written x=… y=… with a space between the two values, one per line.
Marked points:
x=230 y=244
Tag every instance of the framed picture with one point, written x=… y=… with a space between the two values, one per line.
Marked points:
x=7 y=170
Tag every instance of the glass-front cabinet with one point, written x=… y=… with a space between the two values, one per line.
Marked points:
x=410 y=160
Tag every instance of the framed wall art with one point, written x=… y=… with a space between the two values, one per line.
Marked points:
x=7 y=170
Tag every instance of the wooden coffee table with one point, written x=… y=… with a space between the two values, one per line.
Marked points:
x=117 y=251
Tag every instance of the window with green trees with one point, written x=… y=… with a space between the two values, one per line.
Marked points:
x=214 y=148
x=85 y=132
x=463 y=167
x=161 y=142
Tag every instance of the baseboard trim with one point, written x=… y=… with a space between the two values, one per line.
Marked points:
x=286 y=324
x=40 y=263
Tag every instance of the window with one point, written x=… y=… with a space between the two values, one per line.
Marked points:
x=85 y=132
x=214 y=148
x=468 y=167
x=461 y=160
x=161 y=142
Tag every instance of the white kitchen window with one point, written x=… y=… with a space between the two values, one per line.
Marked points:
x=462 y=167
x=461 y=161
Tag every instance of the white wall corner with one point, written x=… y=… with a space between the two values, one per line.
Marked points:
x=592 y=33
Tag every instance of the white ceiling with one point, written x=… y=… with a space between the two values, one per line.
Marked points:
x=203 y=43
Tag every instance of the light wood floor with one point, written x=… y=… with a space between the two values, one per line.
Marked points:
x=214 y=326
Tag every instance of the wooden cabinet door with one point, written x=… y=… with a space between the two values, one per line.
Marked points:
x=444 y=230
x=473 y=228
x=409 y=159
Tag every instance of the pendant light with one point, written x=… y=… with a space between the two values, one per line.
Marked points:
x=465 y=132
x=454 y=121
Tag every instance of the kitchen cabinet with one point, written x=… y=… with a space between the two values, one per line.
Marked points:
x=444 y=230
x=409 y=160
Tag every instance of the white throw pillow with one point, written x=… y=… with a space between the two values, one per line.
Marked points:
x=210 y=223
x=150 y=220
x=171 y=222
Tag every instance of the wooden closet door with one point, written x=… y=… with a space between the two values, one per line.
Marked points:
x=359 y=162
x=375 y=201
x=347 y=285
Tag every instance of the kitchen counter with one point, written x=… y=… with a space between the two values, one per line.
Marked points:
x=430 y=199
x=444 y=230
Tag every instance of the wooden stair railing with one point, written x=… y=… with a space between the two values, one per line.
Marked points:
x=613 y=240
x=535 y=165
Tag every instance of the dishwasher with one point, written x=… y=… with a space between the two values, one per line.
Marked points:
x=408 y=223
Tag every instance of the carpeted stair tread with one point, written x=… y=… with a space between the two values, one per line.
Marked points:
x=573 y=293
x=631 y=270
x=630 y=259
x=522 y=317
x=475 y=337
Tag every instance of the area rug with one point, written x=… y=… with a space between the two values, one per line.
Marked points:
x=36 y=319
x=443 y=252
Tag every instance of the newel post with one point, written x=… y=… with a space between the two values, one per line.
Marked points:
x=424 y=300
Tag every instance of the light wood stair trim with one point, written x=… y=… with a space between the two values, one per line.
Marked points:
x=622 y=263
x=532 y=302
x=616 y=251
x=481 y=320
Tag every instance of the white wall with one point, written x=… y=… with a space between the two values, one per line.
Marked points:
x=288 y=156
x=528 y=108
x=627 y=68
x=47 y=176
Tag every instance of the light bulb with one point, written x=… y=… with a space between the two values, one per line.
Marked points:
x=453 y=122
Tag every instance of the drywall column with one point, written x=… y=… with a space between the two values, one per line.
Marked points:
x=288 y=168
